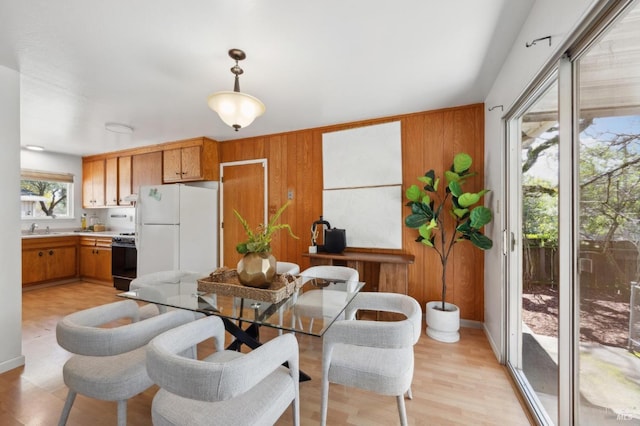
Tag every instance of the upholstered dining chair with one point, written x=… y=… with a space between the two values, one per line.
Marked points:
x=163 y=284
x=226 y=387
x=108 y=343
x=376 y=356
x=315 y=304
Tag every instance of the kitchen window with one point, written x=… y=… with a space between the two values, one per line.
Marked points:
x=46 y=195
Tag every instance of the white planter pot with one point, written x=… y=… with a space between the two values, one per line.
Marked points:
x=443 y=326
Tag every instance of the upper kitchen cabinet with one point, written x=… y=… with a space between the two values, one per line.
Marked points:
x=93 y=183
x=109 y=178
x=146 y=169
x=124 y=180
x=190 y=160
x=111 y=182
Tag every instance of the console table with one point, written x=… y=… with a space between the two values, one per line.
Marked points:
x=391 y=269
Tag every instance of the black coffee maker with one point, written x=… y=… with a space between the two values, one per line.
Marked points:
x=335 y=240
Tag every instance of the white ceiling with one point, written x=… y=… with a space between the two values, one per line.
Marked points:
x=151 y=64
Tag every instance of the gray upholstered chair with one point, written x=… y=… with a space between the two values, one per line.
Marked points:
x=109 y=362
x=159 y=286
x=226 y=387
x=376 y=356
x=315 y=304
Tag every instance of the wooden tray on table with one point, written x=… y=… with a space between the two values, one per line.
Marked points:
x=225 y=282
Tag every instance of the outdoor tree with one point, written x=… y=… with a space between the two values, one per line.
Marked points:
x=56 y=193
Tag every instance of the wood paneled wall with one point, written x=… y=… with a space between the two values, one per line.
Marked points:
x=429 y=140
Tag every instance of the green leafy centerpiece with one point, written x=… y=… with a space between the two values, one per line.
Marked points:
x=258 y=266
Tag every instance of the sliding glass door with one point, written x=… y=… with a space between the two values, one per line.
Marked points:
x=608 y=218
x=574 y=222
x=535 y=299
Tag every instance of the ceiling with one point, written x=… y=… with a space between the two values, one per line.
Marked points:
x=151 y=64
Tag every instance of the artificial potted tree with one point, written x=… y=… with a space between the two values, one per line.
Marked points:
x=258 y=266
x=428 y=210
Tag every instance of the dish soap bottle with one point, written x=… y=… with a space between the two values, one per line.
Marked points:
x=83 y=222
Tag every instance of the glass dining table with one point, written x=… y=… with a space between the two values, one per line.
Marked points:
x=244 y=311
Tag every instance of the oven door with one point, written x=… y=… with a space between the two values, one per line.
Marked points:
x=124 y=261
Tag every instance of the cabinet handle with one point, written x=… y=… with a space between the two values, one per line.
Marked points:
x=178 y=173
x=50 y=252
x=183 y=173
x=40 y=253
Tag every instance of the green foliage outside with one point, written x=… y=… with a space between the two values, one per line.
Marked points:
x=54 y=192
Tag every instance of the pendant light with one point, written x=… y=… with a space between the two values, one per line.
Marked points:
x=235 y=108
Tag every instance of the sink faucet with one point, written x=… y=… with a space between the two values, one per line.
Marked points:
x=33 y=227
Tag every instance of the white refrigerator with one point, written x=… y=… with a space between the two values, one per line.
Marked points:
x=177 y=229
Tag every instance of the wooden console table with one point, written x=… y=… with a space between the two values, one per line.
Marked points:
x=391 y=269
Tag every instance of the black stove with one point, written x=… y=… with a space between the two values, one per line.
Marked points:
x=124 y=258
x=124 y=239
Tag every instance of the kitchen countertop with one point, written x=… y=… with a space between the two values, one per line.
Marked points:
x=65 y=233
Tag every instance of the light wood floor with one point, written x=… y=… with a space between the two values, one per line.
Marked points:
x=454 y=384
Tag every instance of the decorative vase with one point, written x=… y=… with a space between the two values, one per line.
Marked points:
x=257 y=269
x=443 y=326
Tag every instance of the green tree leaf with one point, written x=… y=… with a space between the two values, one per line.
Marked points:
x=468 y=199
x=413 y=193
x=481 y=241
x=462 y=162
x=455 y=188
x=459 y=213
x=480 y=216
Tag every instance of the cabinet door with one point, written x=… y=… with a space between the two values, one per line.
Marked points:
x=103 y=264
x=171 y=168
x=111 y=182
x=191 y=164
x=61 y=262
x=95 y=259
x=146 y=169
x=87 y=261
x=124 y=180
x=93 y=177
x=34 y=268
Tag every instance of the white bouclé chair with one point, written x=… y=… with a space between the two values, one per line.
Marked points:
x=109 y=362
x=376 y=356
x=326 y=303
x=225 y=388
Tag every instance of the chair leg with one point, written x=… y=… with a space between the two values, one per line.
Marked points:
x=122 y=413
x=409 y=394
x=325 y=402
x=71 y=396
x=401 y=410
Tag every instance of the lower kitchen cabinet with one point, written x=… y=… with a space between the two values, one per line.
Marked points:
x=95 y=260
x=48 y=259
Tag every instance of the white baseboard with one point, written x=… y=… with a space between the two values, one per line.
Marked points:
x=494 y=347
x=11 y=364
x=471 y=324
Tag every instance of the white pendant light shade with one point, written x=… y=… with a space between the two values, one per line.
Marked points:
x=236 y=109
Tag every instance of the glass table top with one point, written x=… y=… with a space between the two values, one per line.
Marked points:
x=323 y=302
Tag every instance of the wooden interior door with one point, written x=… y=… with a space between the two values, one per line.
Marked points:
x=242 y=189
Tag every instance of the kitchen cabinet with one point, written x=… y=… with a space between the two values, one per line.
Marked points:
x=110 y=177
x=192 y=160
x=146 y=169
x=111 y=182
x=48 y=259
x=93 y=183
x=124 y=180
x=95 y=259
